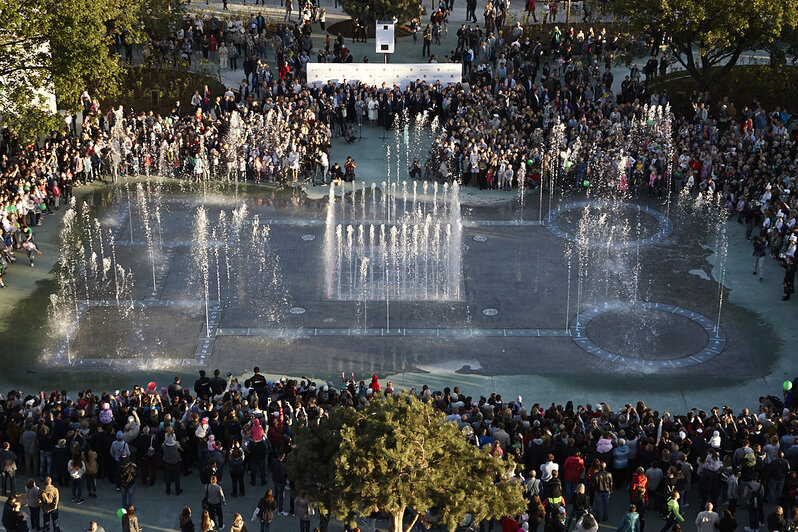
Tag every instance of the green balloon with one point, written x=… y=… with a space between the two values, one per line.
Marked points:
x=120 y=513
x=787 y=385
x=586 y=183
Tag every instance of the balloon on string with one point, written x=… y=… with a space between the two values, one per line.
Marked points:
x=787 y=386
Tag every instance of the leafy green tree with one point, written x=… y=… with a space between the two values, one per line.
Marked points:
x=65 y=47
x=310 y=464
x=398 y=455
x=374 y=10
x=710 y=33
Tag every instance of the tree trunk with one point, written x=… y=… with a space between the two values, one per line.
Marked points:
x=397 y=519
x=324 y=522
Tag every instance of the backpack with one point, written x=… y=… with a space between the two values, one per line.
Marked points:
x=749 y=458
x=756 y=498
x=554 y=519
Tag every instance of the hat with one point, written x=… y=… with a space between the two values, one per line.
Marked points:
x=204 y=421
x=793 y=238
x=170 y=440
x=621 y=442
x=119 y=435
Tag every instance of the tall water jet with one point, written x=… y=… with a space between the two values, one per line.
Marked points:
x=200 y=258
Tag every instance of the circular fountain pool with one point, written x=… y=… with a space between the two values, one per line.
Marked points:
x=646 y=334
x=619 y=221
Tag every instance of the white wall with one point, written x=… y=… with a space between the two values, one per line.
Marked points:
x=391 y=74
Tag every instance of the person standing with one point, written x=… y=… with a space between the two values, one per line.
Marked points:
x=727 y=523
x=630 y=522
x=77 y=468
x=238 y=524
x=707 y=521
x=760 y=250
x=48 y=501
x=130 y=523
x=128 y=471
x=754 y=496
x=573 y=468
x=8 y=461
x=32 y=496
x=302 y=508
x=13 y=518
x=224 y=57
x=602 y=488
x=789 y=278
x=672 y=515
x=280 y=480
x=425 y=48
x=266 y=509
x=322 y=166
x=92 y=469
x=580 y=506
x=640 y=500
x=776 y=521
x=237 y=469
x=186 y=524
x=214 y=495
x=171 y=454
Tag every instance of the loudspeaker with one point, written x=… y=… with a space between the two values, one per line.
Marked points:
x=384 y=36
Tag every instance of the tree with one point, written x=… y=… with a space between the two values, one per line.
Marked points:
x=399 y=455
x=710 y=33
x=370 y=12
x=310 y=465
x=64 y=47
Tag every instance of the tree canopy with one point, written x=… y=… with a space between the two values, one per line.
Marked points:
x=710 y=33
x=65 y=47
x=397 y=455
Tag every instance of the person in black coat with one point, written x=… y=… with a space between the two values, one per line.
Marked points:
x=789 y=278
x=202 y=386
x=13 y=518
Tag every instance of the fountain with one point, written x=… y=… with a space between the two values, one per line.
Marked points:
x=408 y=259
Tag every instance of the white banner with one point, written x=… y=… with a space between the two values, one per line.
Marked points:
x=401 y=74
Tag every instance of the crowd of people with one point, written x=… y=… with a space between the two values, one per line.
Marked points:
x=236 y=435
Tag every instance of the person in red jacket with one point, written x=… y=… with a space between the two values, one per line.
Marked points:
x=375 y=384
x=639 y=480
x=573 y=468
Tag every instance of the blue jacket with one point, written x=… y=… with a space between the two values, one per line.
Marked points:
x=630 y=522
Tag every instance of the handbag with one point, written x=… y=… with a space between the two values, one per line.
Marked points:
x=151 y=450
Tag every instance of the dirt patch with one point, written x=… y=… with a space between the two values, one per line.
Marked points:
x=139 y=83
x=345 y=28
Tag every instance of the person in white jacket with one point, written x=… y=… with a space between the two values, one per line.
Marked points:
x=77 y=468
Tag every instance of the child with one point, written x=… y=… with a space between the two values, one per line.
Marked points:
x=30 y=249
